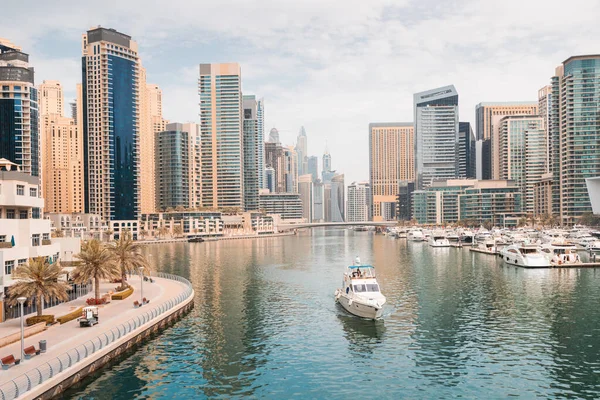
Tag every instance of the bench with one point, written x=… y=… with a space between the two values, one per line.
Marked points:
x=145 y=301
x=9 y=361
x=136 y=304
x=30 y=352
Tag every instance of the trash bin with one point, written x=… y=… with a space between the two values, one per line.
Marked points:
x=42 y=346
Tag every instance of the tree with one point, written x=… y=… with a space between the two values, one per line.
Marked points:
x=162 y=231
x=522 y=222
x=58 y=233
x=178 y=230
x=143 y=233
x=180 y=208
x=488 y=224
x=38 y=279
x=108 y=233
x=127 y=255
x=96 y=263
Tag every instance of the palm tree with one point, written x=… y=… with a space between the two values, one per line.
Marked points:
x=96 y=263
x=108 y=233
x=38 y=279
x=58 y=233
x=162 y=231
x=177 y=230
x=127 y=255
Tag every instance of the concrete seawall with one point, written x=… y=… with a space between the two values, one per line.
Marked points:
x=55 y=376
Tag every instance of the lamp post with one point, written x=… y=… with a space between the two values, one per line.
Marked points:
x=21 y=300
x=141 y=269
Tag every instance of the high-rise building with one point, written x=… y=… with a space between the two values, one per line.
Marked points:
x=19 y=118
x=466 y=151
x=274 y=135
x=391 y=160
x=288 y=205
x=62 y=155
x=269 y=179
x=483 y=155
x=313 y=167
x=576 y=88
x=291 y=171
x=487 y=117
x=305 y=190
x=252 y=144
x=326 y=161
x=301 y=151
x=338 y=200
x=436 y=135
x=358 y=206
x=178 y=166
x=111 y=124
x=221 y=125
x=318 y=201
x=404 y=207
x=260 y=121
x=523 y=154
x=283 y=161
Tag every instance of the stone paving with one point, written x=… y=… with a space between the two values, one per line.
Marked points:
x=61 y=338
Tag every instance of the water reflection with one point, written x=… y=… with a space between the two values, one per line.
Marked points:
x=362 y=335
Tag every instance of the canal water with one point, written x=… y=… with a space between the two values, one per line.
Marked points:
x=457 y=324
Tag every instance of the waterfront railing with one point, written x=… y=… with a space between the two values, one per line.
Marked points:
x=12 y=389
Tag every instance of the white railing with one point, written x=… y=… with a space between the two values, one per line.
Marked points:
x=18 y=386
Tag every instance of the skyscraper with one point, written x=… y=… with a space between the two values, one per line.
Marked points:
x=305 y=189
x=436 y=135
x=577 y=87
x=274 y=135
x=548 y=110
x=338 y=201
x=318 y=201
x=19 y=118
x=487 y=117
x=222 y=135
x=291 y=171
x=260 y=121
x=252 y=144
x=466 y=151
x=327 y=172
x=358 y=207
x=301 y=151
x=178 y=179
x=270 y=179
x=391 y=160
x=111 y=68
x=313 y=167
x=283 y=161
x=523 y=154
x=62 y=156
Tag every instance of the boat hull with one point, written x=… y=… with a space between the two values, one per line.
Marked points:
x=358 y=308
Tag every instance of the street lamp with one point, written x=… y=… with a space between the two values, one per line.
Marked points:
x=141 y=269
x=21 y=300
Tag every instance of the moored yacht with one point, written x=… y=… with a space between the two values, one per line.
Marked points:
x=439 y=240
x=360 y=294
x=415 y=235
x=561 y=253
x=524 y=255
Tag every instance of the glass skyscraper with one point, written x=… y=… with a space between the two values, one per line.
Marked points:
x=436 y=135
x=252 y=145
x=19 y=119
x=110 y=67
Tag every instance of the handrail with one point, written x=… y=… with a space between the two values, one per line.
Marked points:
x=14 y=388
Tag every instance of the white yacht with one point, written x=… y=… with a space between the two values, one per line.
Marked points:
x=560 y=253
x=593 y=247
x=439 y=240
x=524 y=255
x=415 y=235
x=360 y=294
x=454 y=240
x=488 y=247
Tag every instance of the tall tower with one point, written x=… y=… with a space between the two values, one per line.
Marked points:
x=274 y=135
x=327 y=173
x=305 y=189
x=358 y=207
x=220 y=88
x=252 y=145
x=260 y=121
x=436 y=135
x=111 y=124
x=19 y=118
x=576 y=85
x=51 y=98
x=391 y=161
x=301 y=150
x=313 y=167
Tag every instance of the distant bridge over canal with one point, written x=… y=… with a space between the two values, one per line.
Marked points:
x=285 y=226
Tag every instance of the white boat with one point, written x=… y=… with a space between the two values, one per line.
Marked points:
x=561 y=253
x=454 y=240
x=415 y=235
x=360 y=294
x=593 y=247
x=438 y=240
x=524 y=255
x=488 y=247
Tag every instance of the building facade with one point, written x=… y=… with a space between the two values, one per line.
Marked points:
x=288 y=205
x=358 y=206
x=19 y=116
x=260 y=121
x=111 y=124
x=466 y=151
x=313 y=167
x=221 y=125
x=338 y=199
x=318 y=201
x=391 y=160
x=252 y=152
x=436 y=135
x=305 y=190
x=301 y=151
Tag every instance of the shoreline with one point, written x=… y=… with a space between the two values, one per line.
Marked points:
x=218 y=238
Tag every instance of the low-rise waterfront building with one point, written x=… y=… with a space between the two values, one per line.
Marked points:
x=78 y=225
x=201 y=223
x=288 y=205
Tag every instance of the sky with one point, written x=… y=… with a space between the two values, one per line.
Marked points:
x=330 y=66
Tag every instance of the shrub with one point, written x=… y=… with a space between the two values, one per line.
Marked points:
x=48 y=319
x=123 y=295
x=70 y=316
x=95 y=302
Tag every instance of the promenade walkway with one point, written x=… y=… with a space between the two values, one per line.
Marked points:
x=61 y=338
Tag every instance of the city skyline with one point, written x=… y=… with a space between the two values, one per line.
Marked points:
x=344 y=58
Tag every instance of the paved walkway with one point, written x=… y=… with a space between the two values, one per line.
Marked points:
x=61 y=338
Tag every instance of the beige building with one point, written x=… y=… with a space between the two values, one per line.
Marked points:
x=151 y=122
x=391 y=160
x=62 y=153
x=488 y=116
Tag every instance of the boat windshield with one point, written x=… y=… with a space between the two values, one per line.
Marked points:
x=366 y=287
x=529 y=250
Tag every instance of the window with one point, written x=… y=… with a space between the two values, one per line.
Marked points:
x=23 y=214
x=22 y=261
x=20 y=190
x=8 y=267
x=35 y=213
x=33 y=192
x=35 y=239
x=46 y=236
x=10 y=214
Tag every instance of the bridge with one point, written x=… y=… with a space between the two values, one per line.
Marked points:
x=283 y=226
